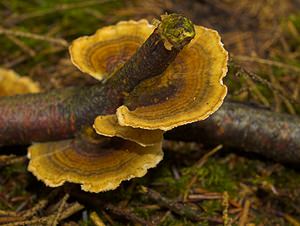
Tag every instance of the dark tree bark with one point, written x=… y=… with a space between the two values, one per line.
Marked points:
x=271 y=134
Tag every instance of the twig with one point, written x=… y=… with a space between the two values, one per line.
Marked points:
x=255 y=77
x=199 y=197
x=256 y=92
x=225 y=204
x=72 y=209
x=5 y=202
x=58 y=41
x=16 y=61
x=245 y=212
x=6 y=160
x=59 y=211
x=188 y=187
x=297 y=89
x=199 y=164
x=8 y=213
x=108 y=218
x=55 y=9
x=96 y=219
x=127 y=214
x=268 y=62
x=31 y=212
x=205 y=157
x=27 y=222
x=22 y=45
x=8 y=219
x=293 y=221
x=290 y=219
x=24 y=58
x=286 y=101
x=178 y=208
x=277 y=99
x=164 y=217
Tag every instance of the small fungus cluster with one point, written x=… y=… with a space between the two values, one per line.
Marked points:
x=129 y=142
x=12 y=84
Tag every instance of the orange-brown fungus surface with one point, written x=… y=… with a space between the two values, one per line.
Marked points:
x=189 y=90
x=97 y=166
x=108 y=125
x=12 y=84
x=109 y=48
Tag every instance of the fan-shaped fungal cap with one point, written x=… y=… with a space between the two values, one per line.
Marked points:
x=97 y=166
x=108 y=125
x=100 y=54
x=189 y=90
x=12 y=84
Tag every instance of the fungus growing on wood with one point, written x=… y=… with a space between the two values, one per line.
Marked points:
x=12 y=84
x=110 y=47
x=108 y=125
x=97 y=163
x=189 y=90
x=60 y=114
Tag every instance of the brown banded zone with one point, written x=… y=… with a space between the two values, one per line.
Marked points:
x=96 y=168
x=189 y=90
x=110 y=47
x=106 y=56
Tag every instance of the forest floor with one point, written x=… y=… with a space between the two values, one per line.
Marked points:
x=193 y=185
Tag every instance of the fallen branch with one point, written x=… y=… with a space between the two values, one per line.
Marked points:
x=59 y=114
x=271 y=134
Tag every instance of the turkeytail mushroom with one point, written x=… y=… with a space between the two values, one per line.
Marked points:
x=108 y=125
x=99 y=163
x=95 y=162
x=12 y=84
x=189 y=90
x=60 y=114
x=157 y=86
x=109 y=48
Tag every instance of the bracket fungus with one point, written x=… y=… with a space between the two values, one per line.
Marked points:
x=97 y=163
x=189 y=90
x=128 y=142
x=101 y=54
x=12 y=84
x=108 y=125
